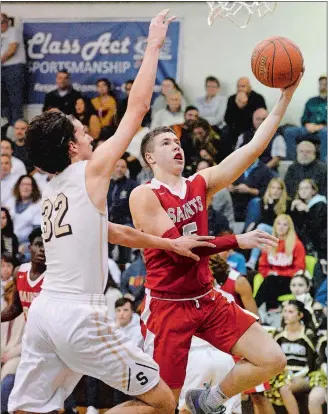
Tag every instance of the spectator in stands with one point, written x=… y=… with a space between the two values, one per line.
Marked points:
x=240 y=108
x=7 y=270
x=279 y=265
x=8 y=180
x=64 y=97
x=309 y=213
x=17 y=166
x=212 y=106
x=145 y=175
x=128 y=320
x=168 y=85
x=252 y=183
x=172 y=114
x=105 y=102
x=112 y=294
x=118 y=204
x=9 y=241
x=86 y=114
x=133 y=165
x=122 y=105
x=13 y=63
x=314 y=124
x=205 y=142
x=133 y=278
x=262 y=212
x=318 y=381
x=306 y=166
x=11 y=347
x=275 y=151
x=297 y=341
x=25 y=210
x=20 y=150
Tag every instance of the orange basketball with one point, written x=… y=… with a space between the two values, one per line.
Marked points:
x=277 y=62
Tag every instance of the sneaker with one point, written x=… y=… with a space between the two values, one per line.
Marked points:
x=196 y=402
x=92 y=410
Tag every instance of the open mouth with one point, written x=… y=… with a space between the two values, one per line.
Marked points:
x=178 y=157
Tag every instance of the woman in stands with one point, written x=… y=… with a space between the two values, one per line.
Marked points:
x=9 y=242
x=298 y=343
x=261 y=213
x=168 y=85
x=105 y=103
x=309 y=212
x=25 y=210
x=86 y=114
x=279 y=265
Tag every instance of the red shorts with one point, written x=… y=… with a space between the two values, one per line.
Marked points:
x=168 y=327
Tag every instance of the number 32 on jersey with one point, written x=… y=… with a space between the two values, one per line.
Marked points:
x=59 y=208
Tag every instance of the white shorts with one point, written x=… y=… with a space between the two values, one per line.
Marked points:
x=68 y=336
x=208 y=364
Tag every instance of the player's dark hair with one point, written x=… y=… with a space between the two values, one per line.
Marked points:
x=219 y=268
x=190 y=108
x=8 y=140
x=47 y=140
x=37 y=232
x=35 y=195
x=212 y=79
x=147 y=143
x=123 y=301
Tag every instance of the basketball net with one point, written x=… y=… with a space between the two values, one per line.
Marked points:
x=239 y=11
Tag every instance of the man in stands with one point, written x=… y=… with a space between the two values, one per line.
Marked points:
x=64 y=97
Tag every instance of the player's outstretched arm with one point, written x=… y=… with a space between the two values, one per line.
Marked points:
x=105 y=157
x=129 y=237
x=14 y=308
x=231 y=168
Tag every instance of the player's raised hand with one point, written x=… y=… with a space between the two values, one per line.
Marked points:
x=183 y=245
x=256 y=238
x=158 y=28
x=289 y=91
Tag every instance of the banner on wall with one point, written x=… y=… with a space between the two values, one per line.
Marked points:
x=92 y=50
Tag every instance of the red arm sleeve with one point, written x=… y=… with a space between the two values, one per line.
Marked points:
x=222 y=243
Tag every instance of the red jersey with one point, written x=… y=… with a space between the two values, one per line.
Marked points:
x=28 y=289
x=230 y=287
x=186 y=277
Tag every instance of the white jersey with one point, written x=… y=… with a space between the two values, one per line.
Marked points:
x=74 y=234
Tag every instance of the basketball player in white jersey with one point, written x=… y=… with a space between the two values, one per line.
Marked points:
x=68 y=333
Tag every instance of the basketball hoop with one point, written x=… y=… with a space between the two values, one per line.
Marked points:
x=239 y=11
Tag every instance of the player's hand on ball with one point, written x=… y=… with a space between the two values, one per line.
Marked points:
x=256 y=238
x=289 y=91
x=183 y=245
x=158 y=28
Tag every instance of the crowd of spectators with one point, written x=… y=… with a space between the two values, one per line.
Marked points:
x=291 y=205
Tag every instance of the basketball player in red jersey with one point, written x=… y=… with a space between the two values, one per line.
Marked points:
x=28 y=279
x=180 y=301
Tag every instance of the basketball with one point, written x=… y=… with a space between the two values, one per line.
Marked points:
x=277 y=62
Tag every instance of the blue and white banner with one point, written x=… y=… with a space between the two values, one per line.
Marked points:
x=91 y=50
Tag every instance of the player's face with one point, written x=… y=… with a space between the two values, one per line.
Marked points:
x=305 y=191
x=124 y=314
x=298 y=286
x=37 y=251
x=291 y=314
x=168 y=154
x=7 y=270
x=82 y=148
x=275 y=190
x=282 y=228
